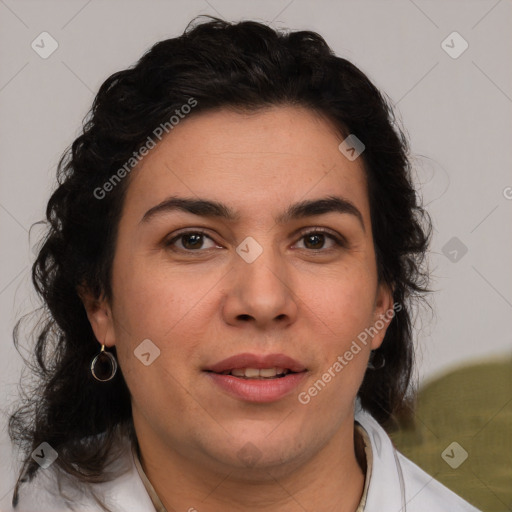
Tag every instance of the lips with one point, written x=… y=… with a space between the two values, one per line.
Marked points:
x=247 y=360
x=257 y=378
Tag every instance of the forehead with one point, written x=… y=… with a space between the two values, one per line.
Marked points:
x=249 y=161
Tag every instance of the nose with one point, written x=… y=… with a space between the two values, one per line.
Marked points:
x=261 y=293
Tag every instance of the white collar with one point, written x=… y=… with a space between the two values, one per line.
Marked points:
x=386 y=478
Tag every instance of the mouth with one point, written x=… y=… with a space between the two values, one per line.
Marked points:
x=258 y=373
x=257 y=378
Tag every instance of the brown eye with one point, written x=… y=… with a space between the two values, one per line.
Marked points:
x=316 y=240
x=190 y=241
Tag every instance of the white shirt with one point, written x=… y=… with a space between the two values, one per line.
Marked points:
x=393 y=484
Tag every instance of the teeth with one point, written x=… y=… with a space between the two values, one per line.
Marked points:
x=258 y=373
x=250 y=373
x=267 y=372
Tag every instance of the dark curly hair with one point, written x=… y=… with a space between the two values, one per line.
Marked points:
x=244 y=66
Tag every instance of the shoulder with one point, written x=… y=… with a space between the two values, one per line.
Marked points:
x=399 y=483
x=42 y=494
x=51 y=490
x=425 y=494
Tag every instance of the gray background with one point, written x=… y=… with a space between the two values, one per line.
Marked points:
x=457 y=113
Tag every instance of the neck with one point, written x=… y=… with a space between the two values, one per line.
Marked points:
x=189 y=483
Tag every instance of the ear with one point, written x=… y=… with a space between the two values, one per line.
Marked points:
x=99 y=314
x=383 y=314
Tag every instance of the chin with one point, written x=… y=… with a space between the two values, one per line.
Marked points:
x=254 y=452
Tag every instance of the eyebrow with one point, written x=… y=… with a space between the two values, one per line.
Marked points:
x=214 y=209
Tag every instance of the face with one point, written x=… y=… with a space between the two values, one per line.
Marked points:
x=230 y=303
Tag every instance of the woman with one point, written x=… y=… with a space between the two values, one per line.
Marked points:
x=235 y=243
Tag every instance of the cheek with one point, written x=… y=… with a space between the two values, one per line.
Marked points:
x=155 y=301
x=166 y=311
x=344 y=305
x=344 y=302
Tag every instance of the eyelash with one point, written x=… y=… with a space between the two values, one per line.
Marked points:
x=339 y=241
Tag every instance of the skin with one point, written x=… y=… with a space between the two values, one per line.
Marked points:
x=201 y=308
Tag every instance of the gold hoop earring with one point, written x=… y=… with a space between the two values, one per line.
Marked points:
x=103 y=366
